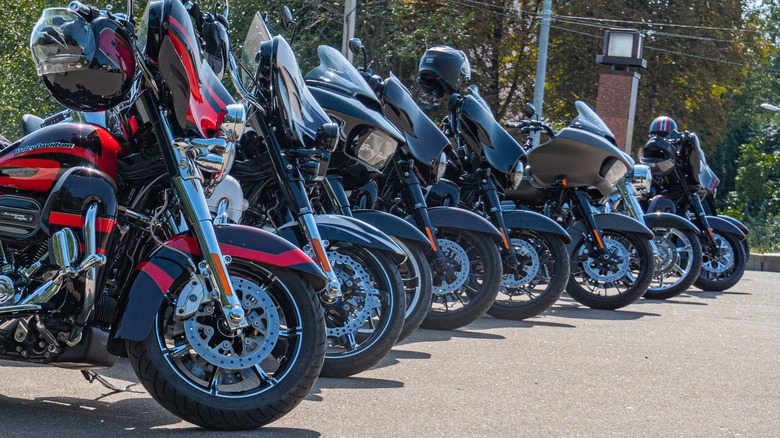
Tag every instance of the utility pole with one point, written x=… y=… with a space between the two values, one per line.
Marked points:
x=541 y=61
x=350 y=10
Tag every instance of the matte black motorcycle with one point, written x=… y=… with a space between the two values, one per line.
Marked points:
x=676 y=246
x=611 y=256
x=680 y=180
x=488 y=162
x=390 y=142
x=107 y=246
x=278 y=154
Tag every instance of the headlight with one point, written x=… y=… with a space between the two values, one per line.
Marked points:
x=641 y=177
x=516 y=177
x=440 y=166
x=613 y=170
x=376 y=149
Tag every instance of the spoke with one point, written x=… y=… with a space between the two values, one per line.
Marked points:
x=290 y=332
x=351 y=342
x=214 y=383
x=177 y=351
x=260 y=372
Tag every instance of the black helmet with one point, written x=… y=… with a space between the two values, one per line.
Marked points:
x=85 y=66
x=442 y=70
x=663 y=126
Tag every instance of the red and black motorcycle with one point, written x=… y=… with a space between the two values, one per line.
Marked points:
x=107 y=246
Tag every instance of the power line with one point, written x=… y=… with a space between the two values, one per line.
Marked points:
x=650 y=23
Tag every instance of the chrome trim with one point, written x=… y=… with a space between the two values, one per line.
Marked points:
x=333 y=291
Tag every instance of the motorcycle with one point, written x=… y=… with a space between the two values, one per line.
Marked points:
x=391 y=145
x=284 y=148
x=611 y=257
x=681 y=179
x=107 y=246
x=676 y=246
x=488 y=162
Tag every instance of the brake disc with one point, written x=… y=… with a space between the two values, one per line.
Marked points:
x=666 y=254
x=206 y=334
x=360 y=297
x=726 y=259
x=459 y=261
x=619 y=260
x=526 y=251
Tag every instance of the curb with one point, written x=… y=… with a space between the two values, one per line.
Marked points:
x=764 y=262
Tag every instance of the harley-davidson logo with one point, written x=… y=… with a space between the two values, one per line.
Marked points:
x=17 y=216
x=50 y=145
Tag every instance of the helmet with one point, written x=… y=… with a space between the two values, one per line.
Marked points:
x=85 y=66
x=663 y=126
x=442 y=70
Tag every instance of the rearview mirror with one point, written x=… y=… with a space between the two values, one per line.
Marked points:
x=355 y=46
x=529 y=110
x=287 y=18
x=770 y=107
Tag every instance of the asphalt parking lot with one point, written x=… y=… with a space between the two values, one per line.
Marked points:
x=702 y=364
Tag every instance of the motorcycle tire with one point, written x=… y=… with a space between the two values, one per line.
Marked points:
x=365 y=322
x=717 y=276
x=191 y=367
x=418 y=286
x=467 y=285
x=678 y=253
x=539 y=279
x=629 y=253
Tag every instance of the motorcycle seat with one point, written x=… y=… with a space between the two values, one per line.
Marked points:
x=31 y=123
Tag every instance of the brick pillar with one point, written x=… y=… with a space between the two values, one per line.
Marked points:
x=616 y=103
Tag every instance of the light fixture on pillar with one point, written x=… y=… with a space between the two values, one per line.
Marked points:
x=622 y=49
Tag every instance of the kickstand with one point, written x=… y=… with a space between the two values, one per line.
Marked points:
x=92 y=376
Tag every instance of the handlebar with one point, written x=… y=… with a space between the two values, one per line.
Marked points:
x=527 y=126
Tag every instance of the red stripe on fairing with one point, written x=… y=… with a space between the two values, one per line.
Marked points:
x=288 y=258
x=201 y=112
x=77 y=221
x=157 y=274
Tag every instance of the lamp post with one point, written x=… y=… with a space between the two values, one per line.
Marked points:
x=618 y=87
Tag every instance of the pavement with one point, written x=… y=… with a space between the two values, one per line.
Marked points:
x=704 y=364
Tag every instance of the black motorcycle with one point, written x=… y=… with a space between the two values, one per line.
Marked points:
x=611 y=256
x=287 y=145
x=391 y=143
x=681 y=178
x=487 y=162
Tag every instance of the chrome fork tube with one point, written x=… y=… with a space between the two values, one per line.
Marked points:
x=193 y=200
x=333 y=290
x=634 y=208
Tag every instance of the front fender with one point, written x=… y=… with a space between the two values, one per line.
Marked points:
x=742 y=227
x=530 y=220
x=392 y=225
x=452 y=217
x=347 y=229
x=606 y=221
x=725 y=226
x=154 y=277
x=668 y=220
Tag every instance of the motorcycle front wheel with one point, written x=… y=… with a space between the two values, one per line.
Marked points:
x=538 y=279
x=678 y=258
x=466 y=273
x=613 y=276
x=416 y=276
x=722 y=265
x=363 y=324
x=206 y=375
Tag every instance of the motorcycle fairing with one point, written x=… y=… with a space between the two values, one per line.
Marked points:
x=154 y=278
x=486 y=137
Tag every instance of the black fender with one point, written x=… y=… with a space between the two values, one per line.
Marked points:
x=453 y=217
x=718 y=223
x=737 y=223
x=661 y=203
x=346 y=229
x=530 y=220
x=668 y=220
x=611 y=221
x=392 y=225
x=154 y=277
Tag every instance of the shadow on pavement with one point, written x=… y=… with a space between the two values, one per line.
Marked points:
x=579 y=312
x=69 y=416
x=424 y=335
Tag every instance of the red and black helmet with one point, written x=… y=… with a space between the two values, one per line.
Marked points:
x=86 y=66
x=663 y=126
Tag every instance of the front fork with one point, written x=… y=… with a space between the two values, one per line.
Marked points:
x=415 y=200
x=493 y=205
x=188 y=186
x=635 y=210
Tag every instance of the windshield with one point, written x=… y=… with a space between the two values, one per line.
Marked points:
x=588 y=120
x=337 y=72
x=258 y=32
